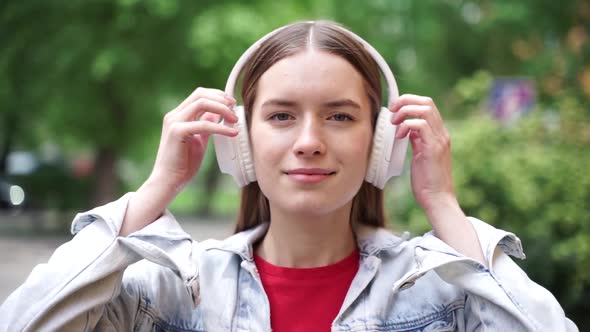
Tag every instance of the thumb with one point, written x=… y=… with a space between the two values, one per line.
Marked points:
x=415 y=140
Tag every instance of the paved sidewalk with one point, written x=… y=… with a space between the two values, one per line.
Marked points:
x=19 y=254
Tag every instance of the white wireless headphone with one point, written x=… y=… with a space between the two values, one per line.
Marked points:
x=388 y=153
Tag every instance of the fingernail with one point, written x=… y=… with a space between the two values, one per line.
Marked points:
x=230 y=99
x=231 y=118
x=394 y=119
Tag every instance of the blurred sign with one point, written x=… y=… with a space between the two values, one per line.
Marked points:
x=510 y=98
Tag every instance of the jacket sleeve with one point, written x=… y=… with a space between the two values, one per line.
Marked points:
x=501 y=293
x=80 y=287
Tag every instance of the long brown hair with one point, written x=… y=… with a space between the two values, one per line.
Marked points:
x=367 y=205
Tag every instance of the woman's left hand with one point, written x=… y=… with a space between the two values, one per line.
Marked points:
x=431 y=171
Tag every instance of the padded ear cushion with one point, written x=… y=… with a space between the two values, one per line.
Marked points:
x=381 y=151
x=244 y=153
x=233 y=153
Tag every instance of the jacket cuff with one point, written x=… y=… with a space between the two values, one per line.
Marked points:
x=491 y=238
x=163 y=241
x=113 y=213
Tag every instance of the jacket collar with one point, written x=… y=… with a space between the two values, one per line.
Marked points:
x=370 y=241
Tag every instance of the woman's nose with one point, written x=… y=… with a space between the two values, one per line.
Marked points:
x=309 y=141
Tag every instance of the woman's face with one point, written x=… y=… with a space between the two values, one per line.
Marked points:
x=311 y=133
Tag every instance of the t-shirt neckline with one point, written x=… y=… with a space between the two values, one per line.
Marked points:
x=348 y=263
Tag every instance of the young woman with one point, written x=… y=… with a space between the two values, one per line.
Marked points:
x=310 y=251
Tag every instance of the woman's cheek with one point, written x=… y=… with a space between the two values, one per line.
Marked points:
x=268 y=151
x=360 y=146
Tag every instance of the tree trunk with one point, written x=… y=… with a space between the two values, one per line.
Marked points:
x=106 y=177
x=12 y=114
x=8 y=133
x=212 y=177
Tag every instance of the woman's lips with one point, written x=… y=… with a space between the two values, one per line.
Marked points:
x=309 y=176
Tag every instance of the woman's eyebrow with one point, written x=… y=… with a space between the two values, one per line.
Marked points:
x=342 y=103
x=330 y=104
x=279 y=102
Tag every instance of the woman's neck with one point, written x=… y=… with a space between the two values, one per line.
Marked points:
x=303 y=240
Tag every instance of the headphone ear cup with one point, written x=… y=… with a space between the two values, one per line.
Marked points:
x=388 y=154
x=243 y=147
x=233 y=153
x=382 y=141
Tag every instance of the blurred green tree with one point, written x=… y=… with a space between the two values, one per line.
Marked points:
x=99 y=75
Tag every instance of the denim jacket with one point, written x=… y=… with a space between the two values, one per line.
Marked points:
x=158 y=279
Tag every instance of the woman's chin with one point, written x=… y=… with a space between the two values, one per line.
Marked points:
x=318 y=199
x=312 y=204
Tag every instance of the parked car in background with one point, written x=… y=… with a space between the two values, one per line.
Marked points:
x=35 y=181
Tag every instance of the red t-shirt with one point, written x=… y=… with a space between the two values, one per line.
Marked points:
x=306 y=299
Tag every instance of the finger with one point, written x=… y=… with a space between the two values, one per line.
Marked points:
x=211 y=117
x=201 y=92
x=201 y=106
x=183 y=130
x=416 y=111
x=424 y=112
x=409 y=99
x=415 y=140
x=203 y=95
x=415 y=125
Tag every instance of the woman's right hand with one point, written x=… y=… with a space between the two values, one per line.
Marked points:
x=185 y=134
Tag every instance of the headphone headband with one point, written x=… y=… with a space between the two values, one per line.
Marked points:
x=234 y=155
x=392 y=90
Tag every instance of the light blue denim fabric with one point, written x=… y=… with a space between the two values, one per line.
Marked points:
x=158 y=279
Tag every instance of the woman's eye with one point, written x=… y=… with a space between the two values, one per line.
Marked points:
x=281 y=117
x=341 y=117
